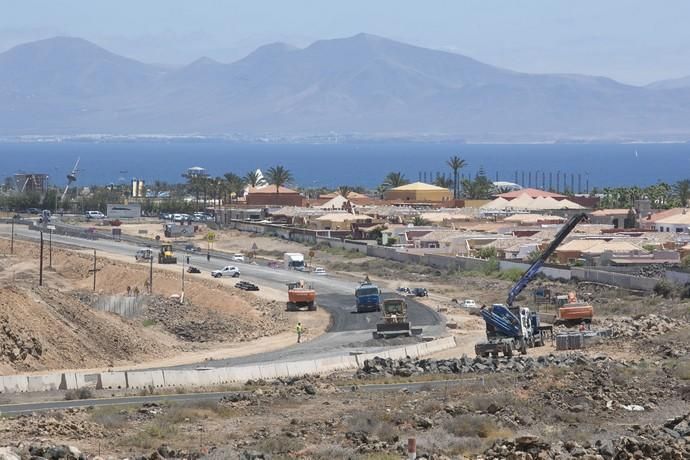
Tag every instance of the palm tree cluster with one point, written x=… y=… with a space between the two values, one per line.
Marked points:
x=231 y=186
x=455 y=163
x=661 y=195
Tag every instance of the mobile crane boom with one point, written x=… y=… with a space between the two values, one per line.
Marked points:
x=537 y=264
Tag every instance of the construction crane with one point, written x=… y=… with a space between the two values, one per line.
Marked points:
x=543 y=257
x=71 y=178
x=510 y=328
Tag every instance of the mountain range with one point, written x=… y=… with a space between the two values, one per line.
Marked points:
x=363 y=85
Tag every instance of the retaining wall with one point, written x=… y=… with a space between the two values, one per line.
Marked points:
x=209 y=377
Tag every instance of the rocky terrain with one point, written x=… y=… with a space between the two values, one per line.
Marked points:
x=59 y=325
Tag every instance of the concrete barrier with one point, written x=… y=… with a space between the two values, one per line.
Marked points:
x=112 y=381
x=181 y=378
x=144 y=379
x=48 y=382
x=73 y=381
x=336 y=363
x=412 y=351
x=397 y=353
x=268 y=371
x=14 y=384
x=242 y=374
x=300 y=368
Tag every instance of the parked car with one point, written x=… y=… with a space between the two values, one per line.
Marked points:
x=469 y=303
x=237 y=258
x=320 y=271
x=226 y=271
x=420 y=292
x=95 y=215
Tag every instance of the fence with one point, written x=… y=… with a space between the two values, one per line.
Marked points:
x=127 y=306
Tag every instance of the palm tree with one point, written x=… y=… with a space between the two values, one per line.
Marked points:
x=344 y=190
x=279 y=176
x=456 y=164
x=235 y=184
x=395 y=179
x=682 y=191
x=252 y=178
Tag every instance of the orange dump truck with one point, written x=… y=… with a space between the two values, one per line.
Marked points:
x=301 y=297
x=570 y=310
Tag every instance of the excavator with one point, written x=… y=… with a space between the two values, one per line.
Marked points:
x=569 y=310
x=511 y=328
x=300 y=297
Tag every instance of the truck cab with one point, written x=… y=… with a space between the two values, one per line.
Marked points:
x=368 y=298
x=294 y=261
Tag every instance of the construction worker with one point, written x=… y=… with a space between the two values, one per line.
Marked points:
x=299 y=332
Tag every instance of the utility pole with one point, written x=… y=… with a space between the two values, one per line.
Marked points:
x=40 y=263
x=50 y=249
x=151 y=273
x=12 y=240
x=183 y=263
x=94 y=270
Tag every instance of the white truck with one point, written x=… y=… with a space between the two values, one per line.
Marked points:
x=294 y=261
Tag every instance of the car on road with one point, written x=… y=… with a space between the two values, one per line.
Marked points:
x=226 y=271
x=192 y=248
x=320 y=271
x=95 y=215
x=468 y=303
x=237 y=258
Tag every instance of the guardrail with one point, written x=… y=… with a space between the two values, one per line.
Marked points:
x=170 y=378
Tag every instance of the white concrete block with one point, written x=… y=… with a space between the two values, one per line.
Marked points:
x=144 y=379
x=14 y=384
x=181 y=378
x=46 y=382
x=300 y=368
x=112 y=381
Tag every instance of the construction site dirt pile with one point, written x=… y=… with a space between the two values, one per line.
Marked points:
x=641 y=327
x=192 y=323
x=44 y=328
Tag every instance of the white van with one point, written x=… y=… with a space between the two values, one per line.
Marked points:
x=95 y=215
x=143 y=254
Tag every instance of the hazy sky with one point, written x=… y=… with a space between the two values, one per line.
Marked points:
x=634 y=41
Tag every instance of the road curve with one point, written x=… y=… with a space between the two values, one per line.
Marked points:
x=349 y=331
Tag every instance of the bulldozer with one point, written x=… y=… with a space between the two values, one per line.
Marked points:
x=571 y=311
x=166 y=256
x=301 y=297
x=394 y=321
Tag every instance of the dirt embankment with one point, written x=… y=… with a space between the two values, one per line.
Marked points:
x=58 y=325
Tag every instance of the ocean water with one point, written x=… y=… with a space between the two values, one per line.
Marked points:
x=315 y=165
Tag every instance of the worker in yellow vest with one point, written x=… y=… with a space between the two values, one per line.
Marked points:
x=299 y=332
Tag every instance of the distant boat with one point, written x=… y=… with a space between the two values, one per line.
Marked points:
x=636 y=155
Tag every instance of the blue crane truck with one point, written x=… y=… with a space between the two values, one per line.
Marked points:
x=510 y=328
x=368 y=297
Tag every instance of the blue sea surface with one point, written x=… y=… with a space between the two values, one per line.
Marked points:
x=330 y=165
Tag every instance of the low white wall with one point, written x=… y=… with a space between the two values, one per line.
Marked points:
x=209 y=377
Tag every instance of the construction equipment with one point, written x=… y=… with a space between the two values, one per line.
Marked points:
x=571 y=311
x=166 y=256
x=301 y=297
x=368 y=297
x=510 y=328
x=394 y=320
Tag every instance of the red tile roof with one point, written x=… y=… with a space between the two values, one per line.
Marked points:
x=269 y=189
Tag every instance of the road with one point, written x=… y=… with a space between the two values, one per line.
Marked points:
x=30 y=407
x=349 y=331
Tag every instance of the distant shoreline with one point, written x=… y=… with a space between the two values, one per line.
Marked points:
x=311 y=140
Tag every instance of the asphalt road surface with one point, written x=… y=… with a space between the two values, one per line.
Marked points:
x=348 y=332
